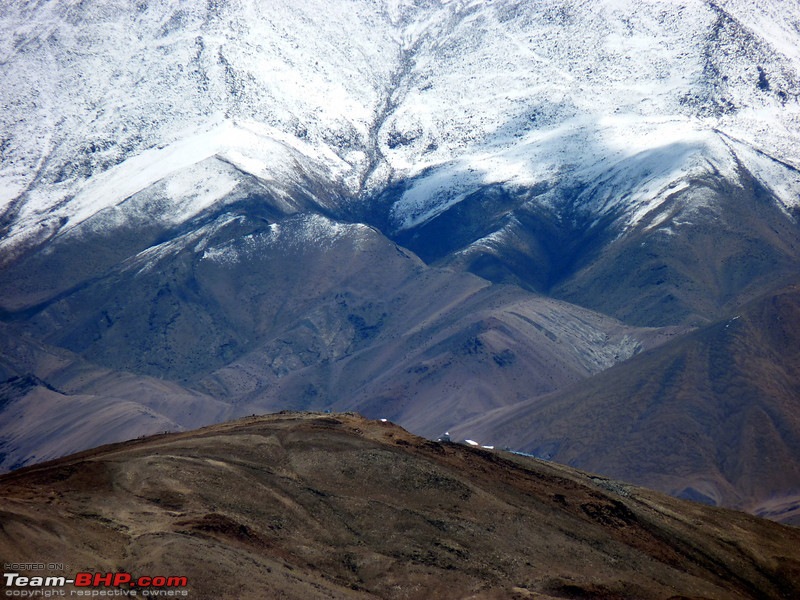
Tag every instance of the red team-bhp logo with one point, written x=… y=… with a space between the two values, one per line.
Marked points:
x=120 y=579
x=95 y=584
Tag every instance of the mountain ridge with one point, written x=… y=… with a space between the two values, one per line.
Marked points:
x=334 y=505
x=714 y=392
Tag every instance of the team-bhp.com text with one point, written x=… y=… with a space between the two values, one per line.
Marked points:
x=96 y=585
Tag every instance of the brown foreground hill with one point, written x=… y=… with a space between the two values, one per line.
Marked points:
x=301 y=505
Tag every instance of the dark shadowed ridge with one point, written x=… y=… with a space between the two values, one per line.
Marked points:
x=309 y=505
x=707 y=416
x=245 y=315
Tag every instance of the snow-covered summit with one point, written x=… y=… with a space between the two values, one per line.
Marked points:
x=104 y=98
x=567 y=93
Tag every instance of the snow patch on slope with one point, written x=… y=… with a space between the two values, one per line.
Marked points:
x=191 y=183
x=628 y=164
x=304 y=233
x=630 y=94
x=779 y=178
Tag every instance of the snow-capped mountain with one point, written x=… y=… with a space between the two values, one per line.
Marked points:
x=422 y=209
x=626 y=100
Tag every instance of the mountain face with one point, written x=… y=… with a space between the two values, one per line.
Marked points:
x=423 y=211
x=718 y=406
x=594 y=119
x=336 y=506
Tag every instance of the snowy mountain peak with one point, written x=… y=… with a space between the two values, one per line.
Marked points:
x=104 y=99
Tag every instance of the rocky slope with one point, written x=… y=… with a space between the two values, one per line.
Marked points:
x=336 y=506
x=708 y=416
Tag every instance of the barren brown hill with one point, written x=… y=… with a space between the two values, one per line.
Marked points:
x=301 y=505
